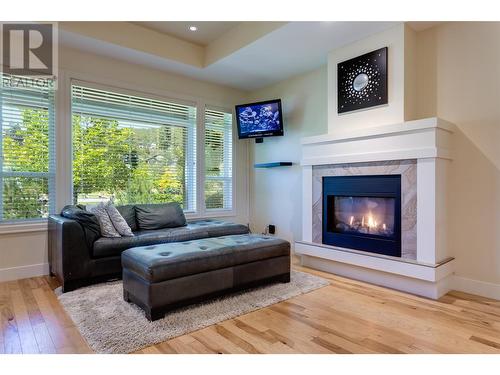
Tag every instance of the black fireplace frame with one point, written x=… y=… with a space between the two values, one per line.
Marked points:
x=384 y=186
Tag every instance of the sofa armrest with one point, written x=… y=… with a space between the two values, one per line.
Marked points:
x=69 y=255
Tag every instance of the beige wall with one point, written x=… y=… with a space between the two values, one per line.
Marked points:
x=276 y=193
x=459 y=81
x=23 y=255
x=26 y=253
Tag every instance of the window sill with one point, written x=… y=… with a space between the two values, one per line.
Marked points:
x=211 y=214
x=23 y=227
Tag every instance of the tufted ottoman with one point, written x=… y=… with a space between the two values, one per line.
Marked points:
x=161 y=277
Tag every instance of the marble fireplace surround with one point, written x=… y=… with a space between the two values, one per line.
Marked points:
x=420 y=151
x=408 y=171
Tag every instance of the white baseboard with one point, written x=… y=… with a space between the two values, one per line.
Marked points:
x=23 y=272
x=480 y=288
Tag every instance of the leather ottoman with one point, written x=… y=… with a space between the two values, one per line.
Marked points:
x=161 y=277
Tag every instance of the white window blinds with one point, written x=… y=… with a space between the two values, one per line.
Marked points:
x=27 y=150
x=218 y=160
x=132 y=149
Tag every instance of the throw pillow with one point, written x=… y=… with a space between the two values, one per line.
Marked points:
x=158 y=216
x=118 y=220
x=128 y=213
x=107 y=227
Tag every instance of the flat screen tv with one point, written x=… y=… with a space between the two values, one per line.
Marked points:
x=258 y=120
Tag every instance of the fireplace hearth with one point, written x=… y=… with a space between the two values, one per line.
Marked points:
x=363 y=213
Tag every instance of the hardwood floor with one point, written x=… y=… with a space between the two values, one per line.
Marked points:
x=345 y=317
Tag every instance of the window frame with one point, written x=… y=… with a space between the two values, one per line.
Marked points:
x=199 y=104
x=32 y=224
x=119 y=91
x=221 y=211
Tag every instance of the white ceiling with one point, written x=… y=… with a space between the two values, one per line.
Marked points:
x=294 y=48
x=207 y=31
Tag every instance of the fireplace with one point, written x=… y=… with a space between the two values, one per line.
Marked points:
x=345 y=174
x=363 y=213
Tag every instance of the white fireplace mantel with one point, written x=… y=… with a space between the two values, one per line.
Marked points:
x=429 y=142
x=426 y=138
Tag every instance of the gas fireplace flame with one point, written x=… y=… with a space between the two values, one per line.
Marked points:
x=368 y=221
x=372 y=223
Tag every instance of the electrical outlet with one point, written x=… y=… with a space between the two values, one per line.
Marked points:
x=271 y=229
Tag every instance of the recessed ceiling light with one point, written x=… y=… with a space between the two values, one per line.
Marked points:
x=193 y=28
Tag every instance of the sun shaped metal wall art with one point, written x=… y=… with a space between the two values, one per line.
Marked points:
x=362 y=81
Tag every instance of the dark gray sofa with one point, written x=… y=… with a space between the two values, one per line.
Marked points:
x=80 y=257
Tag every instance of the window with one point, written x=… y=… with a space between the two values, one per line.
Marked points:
x=218 y=160
x=132 y=149
x=27 y=150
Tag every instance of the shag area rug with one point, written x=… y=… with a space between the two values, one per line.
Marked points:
x=111 y=325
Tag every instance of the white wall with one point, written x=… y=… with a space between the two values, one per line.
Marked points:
x=276 y=193
x=24 y=254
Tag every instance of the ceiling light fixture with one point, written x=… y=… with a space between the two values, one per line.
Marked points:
x=193 y=28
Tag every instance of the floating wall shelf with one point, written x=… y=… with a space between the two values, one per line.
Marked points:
x=274 y=164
